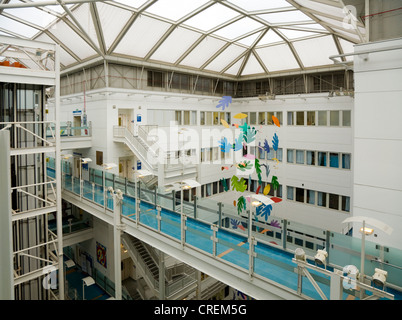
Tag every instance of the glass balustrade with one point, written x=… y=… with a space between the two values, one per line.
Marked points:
x=219 y=231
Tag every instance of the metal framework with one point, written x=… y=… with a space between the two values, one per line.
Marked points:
x=37 y=251
x=285 y=26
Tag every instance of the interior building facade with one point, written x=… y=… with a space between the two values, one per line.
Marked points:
x=228 y=150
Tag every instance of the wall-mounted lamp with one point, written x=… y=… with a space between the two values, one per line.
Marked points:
x=320 y=257
x=379 y=277
x=300 y=254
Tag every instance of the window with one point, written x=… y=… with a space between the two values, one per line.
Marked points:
x=269 y=118
x=279 y=191
x=202 y=118
x=261 y=118
x=333 y=201
x=279 y=154
x=279 y=116
x=216 y=118
x=334 y=118
x=345 y=203
x=311 y=118
x=310 y=158
x=321 y=199
x=261 y=153
x=346 y=118
x=193 y=117
x=333 y=160
x=322 y=118
x=290 y=156
x=290 y=119
x=186 y=118
x=178 y=117
x=215 y=187
x=209 y=118
x=270 y=154
x=322 y=159
x=155 y=79
x=208 y=189
x=99 y=158
x=290 y=193
x=227 y=117
x=345 y=161
x=202 y=154
x=300 y=118
x=253 y=118
x=310 y=197
x=300 y=156
x=299 y=194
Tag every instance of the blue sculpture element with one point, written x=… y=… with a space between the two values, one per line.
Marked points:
x=224 y=102
x=275 y=142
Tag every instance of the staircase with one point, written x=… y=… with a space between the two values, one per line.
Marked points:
x=179 y=278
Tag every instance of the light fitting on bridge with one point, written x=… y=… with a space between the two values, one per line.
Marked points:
x=379 y=277
x=300 y=254
x=320 y=257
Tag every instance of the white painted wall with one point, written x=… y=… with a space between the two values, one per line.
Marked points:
x=378 y=139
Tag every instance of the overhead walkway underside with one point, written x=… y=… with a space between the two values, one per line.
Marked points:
x=264 y=272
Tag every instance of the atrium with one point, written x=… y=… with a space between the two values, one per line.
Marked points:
x=200 y=150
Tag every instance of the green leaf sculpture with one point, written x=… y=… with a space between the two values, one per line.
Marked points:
x=274 y=182
x=258 y=170
x=238 y=185
x=241 y=204
x=245 y=165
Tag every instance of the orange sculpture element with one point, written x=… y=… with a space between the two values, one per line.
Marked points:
x=16 y=64
x=276 y=121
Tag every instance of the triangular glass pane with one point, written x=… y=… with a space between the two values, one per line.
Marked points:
x=111 y=27
x=270 y=37
x=252 y=66
x=248 y=41
x=205 y=50
x=17 y=27
x=234 y=70
x=254 y=5
x=225 y=58
x=278 y=57
x=238 y=28
x=285 y=17
x=295 y=34
x=211 y=17
x=174 y=9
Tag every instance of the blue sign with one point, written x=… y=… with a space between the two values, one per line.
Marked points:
x=138 y=118
x=77 y=112
x=138 y=165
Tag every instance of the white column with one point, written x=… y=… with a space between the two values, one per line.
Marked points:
x=6 y=247
x=116 y=242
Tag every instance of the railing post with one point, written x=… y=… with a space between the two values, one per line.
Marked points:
x=284 y=233
x=158 y=217
x=214 y=239
x=93 y=191
x=183 y=229
x=220 y=205
x=195 y=207
x=155 y=196
x=174 y=200
x=252 y=255
x=137 y=211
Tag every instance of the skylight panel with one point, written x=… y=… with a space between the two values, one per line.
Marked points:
x=234 y=69
x=175 y=45
x=270 y=37
x=334 y=10
x=248 y=41
x=142 y=36
x=295 y=34
x=285 y=17
x=132 y=3
x=174 y=9
x=254 y=5
x=65 y=58
x=207 y=48
x=278 y=57
x=17 y=27
x=238 y=28
x=211 y=17
x=225 y=58
x=72 y=40
x=316 y=52
x=33 y=15
x=252 y=66
x=111 y=26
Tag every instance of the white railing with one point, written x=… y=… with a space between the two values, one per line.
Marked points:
x=134 y=143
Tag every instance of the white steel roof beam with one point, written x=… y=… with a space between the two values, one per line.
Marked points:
x=43 y=3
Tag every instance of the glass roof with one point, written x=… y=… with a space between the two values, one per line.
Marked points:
x=232 y=38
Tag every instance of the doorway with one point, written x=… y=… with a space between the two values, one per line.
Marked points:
x=77 y=124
